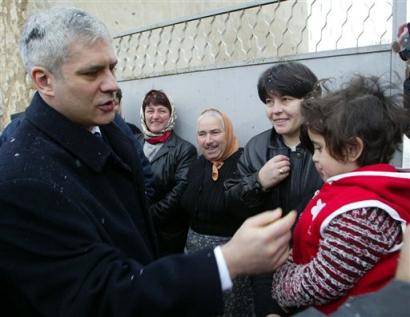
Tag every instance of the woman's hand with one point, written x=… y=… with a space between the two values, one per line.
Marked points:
x=274 y=171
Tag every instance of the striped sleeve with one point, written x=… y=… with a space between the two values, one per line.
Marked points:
x=351 y=245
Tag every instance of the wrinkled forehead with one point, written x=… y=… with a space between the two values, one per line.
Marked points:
x=211 y=118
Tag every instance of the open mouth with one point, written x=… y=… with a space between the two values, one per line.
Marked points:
x=108 y=106
x=211 y=150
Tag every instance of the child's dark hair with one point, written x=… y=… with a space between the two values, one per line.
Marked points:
x=286 y=79
x=361 y=109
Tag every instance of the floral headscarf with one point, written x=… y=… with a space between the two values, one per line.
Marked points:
x=169 y=127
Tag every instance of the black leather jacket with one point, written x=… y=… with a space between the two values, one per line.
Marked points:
x=292 y=193
x=170 y=167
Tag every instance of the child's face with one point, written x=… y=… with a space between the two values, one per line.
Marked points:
x=326 y=165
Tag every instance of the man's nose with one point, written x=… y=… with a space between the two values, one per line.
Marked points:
x=109 y=83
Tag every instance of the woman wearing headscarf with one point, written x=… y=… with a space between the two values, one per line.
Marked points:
x=211 y=220
x=170 y=157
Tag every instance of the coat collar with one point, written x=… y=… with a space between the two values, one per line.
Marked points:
x=165 y=148
x=276 y=141
x=77 y=140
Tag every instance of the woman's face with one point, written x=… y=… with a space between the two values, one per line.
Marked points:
x=156 y=117
x=284 y=112
x=211 y=137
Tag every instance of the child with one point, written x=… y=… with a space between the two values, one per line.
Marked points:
x=347 y=239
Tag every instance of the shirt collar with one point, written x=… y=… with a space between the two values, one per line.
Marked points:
x=95 y=130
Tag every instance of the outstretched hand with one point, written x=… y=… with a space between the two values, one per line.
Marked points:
x=260 y=245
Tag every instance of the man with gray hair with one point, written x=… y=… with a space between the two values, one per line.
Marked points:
x=75 y=235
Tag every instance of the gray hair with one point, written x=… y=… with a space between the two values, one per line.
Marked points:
x=212 y=112
x=48 y=34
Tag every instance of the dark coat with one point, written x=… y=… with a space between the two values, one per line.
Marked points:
x=75 y=235
x=204 y=200
x=8 y=131
x=146 y=166
x=11 y=129
x=170 y=166
x=292 y=193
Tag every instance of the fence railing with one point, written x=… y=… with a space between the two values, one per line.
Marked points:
x=252 y=33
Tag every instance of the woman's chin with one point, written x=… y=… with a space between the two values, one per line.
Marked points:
x=211 y=157
x=155 y=130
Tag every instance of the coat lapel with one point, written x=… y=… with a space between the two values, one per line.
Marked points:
x=165 y=148
x=124 y=148
x=74 y=138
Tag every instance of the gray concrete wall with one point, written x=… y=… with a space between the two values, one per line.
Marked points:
x=233 y=90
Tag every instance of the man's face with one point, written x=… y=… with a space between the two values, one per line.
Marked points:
x=84 y=92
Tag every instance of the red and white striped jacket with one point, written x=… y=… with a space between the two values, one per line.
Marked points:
x=347 y=239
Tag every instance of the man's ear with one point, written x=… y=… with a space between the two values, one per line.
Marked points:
x=355 y=150
x=43 y=80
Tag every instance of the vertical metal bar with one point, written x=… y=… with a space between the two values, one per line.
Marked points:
x=398 y=67
x=399 y=17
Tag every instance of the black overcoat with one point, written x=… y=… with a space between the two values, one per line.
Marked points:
x=75 y=235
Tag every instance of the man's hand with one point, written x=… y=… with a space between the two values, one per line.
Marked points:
x=403 y=270
x=260 y=245
x=274 y=171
